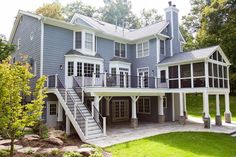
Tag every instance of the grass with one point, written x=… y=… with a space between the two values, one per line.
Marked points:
x=194 y=105
x=179 y=144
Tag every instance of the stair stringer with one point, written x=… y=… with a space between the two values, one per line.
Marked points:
x=68 y=113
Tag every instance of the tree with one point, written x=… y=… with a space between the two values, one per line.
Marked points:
x=78 y=7
x=149 y=17
x=53 y=10
x=15 y=115
x=5 y=48
x=118 y=12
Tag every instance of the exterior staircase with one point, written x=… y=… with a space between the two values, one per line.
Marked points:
x=84 y=122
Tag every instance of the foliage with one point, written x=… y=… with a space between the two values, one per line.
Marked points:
x=78 y=7
x=88 y=146
x=53 y=10
x=5 y=49
x=178 y=144
x=41 y=129
x=15 y=114
x=56 y=152
x=40 y=155
x=4 y=153
x=97 y=152
x=195 y=107
x=149 y=16
x=72 y=154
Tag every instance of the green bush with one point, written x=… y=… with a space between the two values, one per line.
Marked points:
x=41 y=129
x=4 y=153
x=56 y=152
x=40 y=155
x=88 y=146
x=72 y=154
x=97 y=152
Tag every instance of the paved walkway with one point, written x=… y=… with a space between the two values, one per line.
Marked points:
x=122 y=132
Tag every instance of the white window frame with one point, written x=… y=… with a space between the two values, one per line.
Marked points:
x=19 y=44
x=143 y=106
x=90 y=42
x=120 y=49
x=164 y=47
x=138 y=69
x=142 y=53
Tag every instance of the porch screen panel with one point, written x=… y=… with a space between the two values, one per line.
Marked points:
x=173 y=77
x=185 y=74
x=199 y=74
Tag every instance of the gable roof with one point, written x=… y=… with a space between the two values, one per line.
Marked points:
x=117 y=31
x=199 y=54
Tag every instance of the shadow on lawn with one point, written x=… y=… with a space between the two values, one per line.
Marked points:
x=199 y=143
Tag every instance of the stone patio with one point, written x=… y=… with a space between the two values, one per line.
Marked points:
x=123 y=132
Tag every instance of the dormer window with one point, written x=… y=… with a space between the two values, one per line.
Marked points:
x=89 y=41
x=78 y=41
x=119 y=50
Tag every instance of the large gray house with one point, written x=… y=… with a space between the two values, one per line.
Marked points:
x=101 y=74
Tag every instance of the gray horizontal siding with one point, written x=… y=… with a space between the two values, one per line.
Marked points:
x=57 y=42
x=29 y=47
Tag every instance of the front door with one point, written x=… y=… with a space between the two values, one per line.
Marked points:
x=122 y=81
x=52 y=113
x=120 y=110
x=143 y=77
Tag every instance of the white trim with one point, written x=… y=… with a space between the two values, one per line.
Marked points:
x=158 y=49
x=172 y=34
x=41 y=48
x=173 y=106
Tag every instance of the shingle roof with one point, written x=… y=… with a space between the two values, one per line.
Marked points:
x=127 y=34
x=74 y=52
x=120 y=59
x=189 y=56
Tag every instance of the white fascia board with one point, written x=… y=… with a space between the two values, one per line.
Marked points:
x=222 y=54
x=119 y=63
x=182 y=62
x=83 y=57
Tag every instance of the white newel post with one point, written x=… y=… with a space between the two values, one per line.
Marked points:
x=67 y=125
x=94 y=79
x=105 y=79
x=92 y=103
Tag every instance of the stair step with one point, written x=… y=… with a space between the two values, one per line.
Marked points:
x=91 y=128
x=94 y=132
x=90 y=137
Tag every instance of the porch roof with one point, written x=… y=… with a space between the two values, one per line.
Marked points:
x=74 y=52
x=199 y=54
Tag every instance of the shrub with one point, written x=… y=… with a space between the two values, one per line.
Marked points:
x=41 y=129
x=97 y=152
x=72 y=154
x=4 y=153
x=40 y=155
x=56 y=152
x=88 y=146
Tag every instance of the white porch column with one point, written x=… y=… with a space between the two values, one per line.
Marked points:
x=206 y=118
x=134 y=119
x=181 y=108
x=161 y=116
x=108 y=106
x=67 y=125
x=96 y=102
x=218 y=120
x=185 y=106
x=227 y=109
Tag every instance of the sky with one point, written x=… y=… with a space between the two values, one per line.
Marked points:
x=9 y=8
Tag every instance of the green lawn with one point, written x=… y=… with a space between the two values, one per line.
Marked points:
x=179 y=144
x=195 y=108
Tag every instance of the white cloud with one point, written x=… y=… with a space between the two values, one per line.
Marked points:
x=9 y=8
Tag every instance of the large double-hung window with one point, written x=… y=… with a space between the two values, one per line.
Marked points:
x=89 y=41
x=142 y=49
x=119 y=49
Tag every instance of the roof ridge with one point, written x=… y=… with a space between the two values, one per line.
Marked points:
x=202 y=48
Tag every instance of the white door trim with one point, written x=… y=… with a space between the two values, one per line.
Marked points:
x=48 y=122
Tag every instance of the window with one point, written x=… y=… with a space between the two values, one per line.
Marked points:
x=70 y=71
x=88 y=69
x=144 y=106
x=53 y=109
x=97 y=70
x=119 y=50
x=89 y=41
x=19 y=44
x=162 y=47
x=79 y=69
x=198 y=69
x=78 y=40
x=143 y=78
x=163 y=76
x=142 y=50
x=185 y=74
